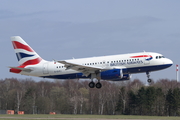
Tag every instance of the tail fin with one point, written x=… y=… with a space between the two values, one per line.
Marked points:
x=25 y=54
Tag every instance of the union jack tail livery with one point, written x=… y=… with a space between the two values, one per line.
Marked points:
x=25 y=54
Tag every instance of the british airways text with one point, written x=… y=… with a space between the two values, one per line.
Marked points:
x=126 y=63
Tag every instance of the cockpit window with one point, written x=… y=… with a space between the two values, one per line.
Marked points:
x=159 y=57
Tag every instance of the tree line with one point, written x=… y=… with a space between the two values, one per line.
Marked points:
x=132 y=97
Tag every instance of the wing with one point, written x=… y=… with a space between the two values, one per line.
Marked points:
x=86 y=70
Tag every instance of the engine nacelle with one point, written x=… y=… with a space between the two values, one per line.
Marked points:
x=125 y=77
x=114 y=75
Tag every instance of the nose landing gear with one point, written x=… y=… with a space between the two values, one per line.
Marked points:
x=148 y=76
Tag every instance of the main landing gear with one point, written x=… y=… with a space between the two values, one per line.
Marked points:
x=92 y=85
x=98 y=77
x=148 y=76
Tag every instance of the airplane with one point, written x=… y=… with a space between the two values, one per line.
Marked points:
x=112 y=68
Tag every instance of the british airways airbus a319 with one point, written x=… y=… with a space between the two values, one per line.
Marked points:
x=113 y=67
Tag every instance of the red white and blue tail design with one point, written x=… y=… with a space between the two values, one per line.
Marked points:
x=25 y=54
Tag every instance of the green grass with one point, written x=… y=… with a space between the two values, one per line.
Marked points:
x=82 y=117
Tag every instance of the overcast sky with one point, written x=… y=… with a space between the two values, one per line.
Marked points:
x=62 y=29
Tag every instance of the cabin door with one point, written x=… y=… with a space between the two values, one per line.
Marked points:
x=146 y=59
x=45 y=68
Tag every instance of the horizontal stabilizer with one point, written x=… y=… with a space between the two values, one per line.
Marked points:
x=23 y=69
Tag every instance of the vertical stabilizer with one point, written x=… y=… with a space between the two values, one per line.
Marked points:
x=25 y=54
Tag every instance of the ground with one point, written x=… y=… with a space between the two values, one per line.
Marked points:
x=84 y=117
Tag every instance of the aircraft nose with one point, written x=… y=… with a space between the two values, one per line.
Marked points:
x=168 y=62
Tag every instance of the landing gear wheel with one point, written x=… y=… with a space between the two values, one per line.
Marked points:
x=148 y=76
x=98 y=85
x=149 y=80
x=91 y=84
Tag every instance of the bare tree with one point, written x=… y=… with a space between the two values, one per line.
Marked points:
x=83 y=98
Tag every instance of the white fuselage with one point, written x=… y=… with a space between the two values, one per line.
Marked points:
x=129 y=63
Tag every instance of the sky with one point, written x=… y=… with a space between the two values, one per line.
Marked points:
x=62 y=29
